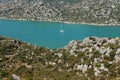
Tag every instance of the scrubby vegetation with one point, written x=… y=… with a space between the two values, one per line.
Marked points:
x=78 y=11
x=91 y=59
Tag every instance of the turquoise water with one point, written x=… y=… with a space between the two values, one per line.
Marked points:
x=47 y=34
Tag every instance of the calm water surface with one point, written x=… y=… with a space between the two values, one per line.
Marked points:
x=52 y=34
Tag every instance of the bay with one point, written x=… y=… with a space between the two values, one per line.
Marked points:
x=53 y=34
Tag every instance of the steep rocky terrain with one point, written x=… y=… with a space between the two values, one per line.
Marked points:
x=91 y=59
x=78 y=11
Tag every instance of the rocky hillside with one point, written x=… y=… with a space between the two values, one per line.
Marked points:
x=78 y=11
x=91 y=59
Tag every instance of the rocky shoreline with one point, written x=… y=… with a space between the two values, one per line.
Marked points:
x=93 y=58
x=63 y=22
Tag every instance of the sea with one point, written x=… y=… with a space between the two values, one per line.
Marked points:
x=53 y=34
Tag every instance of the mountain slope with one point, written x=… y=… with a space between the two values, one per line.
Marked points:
x=91 y=59
x=78 y=11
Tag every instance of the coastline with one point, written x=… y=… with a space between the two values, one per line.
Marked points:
x=66 y=22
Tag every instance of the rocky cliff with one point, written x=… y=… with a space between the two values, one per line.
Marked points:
x=91 y=59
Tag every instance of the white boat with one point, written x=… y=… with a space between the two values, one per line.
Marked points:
x=62 y=30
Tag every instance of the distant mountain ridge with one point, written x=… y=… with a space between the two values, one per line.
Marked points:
x=78 y=11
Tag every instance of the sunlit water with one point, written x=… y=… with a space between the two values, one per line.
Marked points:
x=52 y=34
